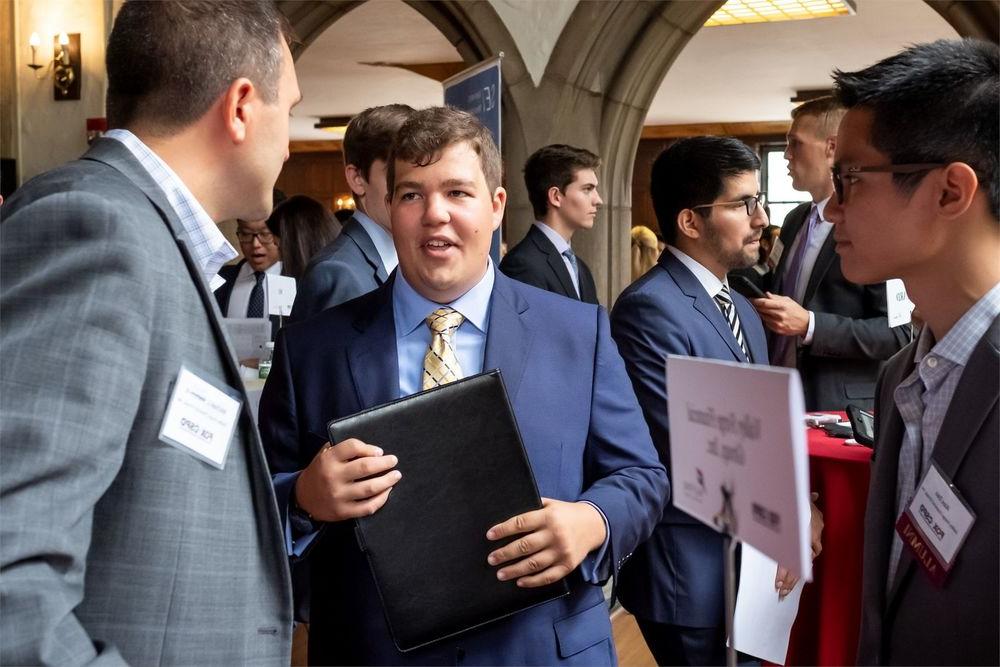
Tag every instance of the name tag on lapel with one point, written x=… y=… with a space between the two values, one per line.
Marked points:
x=201 y=417
x=934 y=524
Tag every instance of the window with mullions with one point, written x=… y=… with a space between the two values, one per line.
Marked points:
x=781 y=196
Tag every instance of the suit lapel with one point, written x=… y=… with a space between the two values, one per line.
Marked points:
x=508 y=342
x=372 y=357
x=554 y=260
x=824 y=259
x=357 y=233
x=703 y=303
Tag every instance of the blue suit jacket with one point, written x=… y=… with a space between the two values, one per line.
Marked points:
x=347 y=268
x=675 y=577
x=582 y=430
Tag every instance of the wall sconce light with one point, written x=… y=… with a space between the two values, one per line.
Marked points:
x=65 y=65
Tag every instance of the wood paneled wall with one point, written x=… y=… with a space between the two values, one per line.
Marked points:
x=317 y=174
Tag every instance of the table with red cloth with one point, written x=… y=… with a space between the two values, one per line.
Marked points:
x=826 y=628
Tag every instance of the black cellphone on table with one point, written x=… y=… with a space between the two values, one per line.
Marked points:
x=743 y=285
x=838 y=430
x=863 y=424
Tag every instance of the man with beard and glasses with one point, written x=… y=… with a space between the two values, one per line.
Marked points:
x=706 y=197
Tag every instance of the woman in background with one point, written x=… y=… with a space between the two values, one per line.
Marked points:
x=645 y=250
x=305 y=227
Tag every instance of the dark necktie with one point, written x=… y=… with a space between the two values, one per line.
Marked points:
x=255 y=307
x=781 y=344
x=724 y=301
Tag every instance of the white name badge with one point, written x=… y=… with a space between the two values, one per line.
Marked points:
x=935 y=524
x=280 y=294
x=201 y=418
x=898 y=306
x=775 y=255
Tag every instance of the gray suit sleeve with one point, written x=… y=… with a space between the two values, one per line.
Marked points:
x=75 y=302
x=859 y=338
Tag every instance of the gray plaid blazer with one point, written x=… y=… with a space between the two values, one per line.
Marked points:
x=113 y=545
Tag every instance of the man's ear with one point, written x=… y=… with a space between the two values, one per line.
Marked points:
x=958 y=185
x=554 y=196
x=831 y=147
x=688 y=224
x=499 y=204
x=356 y=181
x=238 y=109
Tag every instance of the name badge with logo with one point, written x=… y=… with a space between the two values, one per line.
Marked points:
x=935 y=524
x=201 y=418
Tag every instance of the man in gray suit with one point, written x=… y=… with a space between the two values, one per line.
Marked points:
x=917 y=198
x=139 y=524
x=833 y=330
x=362 y=257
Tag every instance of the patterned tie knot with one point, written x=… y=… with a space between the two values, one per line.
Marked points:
x=445 y=320
x=723 y=296
x=258 y=276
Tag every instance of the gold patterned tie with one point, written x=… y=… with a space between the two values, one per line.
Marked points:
x=440 y=363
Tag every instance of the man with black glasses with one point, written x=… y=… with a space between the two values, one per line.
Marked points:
x=706 y=196
x=833 y=330
x=245 y=293
x=917 y=199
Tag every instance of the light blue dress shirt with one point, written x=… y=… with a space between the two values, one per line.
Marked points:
x=382 y=240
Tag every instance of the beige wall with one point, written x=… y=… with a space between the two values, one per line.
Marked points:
x=51 y=132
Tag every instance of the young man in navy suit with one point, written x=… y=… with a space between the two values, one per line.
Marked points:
x=707 y=200
x=602 y=485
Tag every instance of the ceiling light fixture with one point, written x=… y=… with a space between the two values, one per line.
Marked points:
x=736 y=12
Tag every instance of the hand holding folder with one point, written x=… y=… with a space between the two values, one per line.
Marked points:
x=347 y=481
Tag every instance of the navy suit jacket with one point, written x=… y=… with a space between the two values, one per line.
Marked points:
x=675 y=577
x=347 y=268
x=582 y=430
x=536 y=261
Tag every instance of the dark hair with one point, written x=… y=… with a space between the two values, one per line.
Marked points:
x=828 y=110
x=305 y=227
x=429 y=131
x=935 y=102
x=168 y=62
x=554 y=165
x=692 y=172
x=370 y=134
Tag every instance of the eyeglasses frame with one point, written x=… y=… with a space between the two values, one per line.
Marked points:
x=759 y=199
x=912 y=168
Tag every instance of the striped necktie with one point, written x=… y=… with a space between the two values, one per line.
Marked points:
x=724 y=301
x=440 y=363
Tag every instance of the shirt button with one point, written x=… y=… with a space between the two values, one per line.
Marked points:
x=932 y=362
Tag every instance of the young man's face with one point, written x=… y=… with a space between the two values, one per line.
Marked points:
x=731 y=237
x=808 y=155
x=881 y=231
x=580 y=201
x=371 y=192
x=443 y=219
x=259 y=246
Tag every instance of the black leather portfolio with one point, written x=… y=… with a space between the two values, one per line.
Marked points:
x=464 y=470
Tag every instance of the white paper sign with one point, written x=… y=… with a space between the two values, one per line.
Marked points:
x=280 y=295
x=248 y=335
x=723 y=436
x=763 y=622
x=200 y=418
x=898 y=305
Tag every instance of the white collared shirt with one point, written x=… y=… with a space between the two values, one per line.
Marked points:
x=243 y=284
x=382 y=240
x=708 y=280
x=208 y=244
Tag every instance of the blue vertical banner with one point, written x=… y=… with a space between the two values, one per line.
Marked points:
x=477 y=90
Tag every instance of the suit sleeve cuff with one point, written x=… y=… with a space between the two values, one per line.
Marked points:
x=596 y=567
x=298 y=537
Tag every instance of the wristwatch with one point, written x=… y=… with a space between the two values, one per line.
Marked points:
x=302 y=522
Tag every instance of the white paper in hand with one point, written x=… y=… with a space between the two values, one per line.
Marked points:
x=763 y=623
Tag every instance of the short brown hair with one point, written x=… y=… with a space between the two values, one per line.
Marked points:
x=554 y=166
x=168 y=62
x=828 y=110
x=370 y=134
x=429 y=131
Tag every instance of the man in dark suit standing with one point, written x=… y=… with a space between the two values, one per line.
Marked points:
x=833 y=330
x=562 y=187
x=708 y=202
x=917 y=198
x=582 y=429
x=139 y=520
x=362 y=256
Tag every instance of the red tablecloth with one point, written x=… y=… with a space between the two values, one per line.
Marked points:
x=826 y=629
